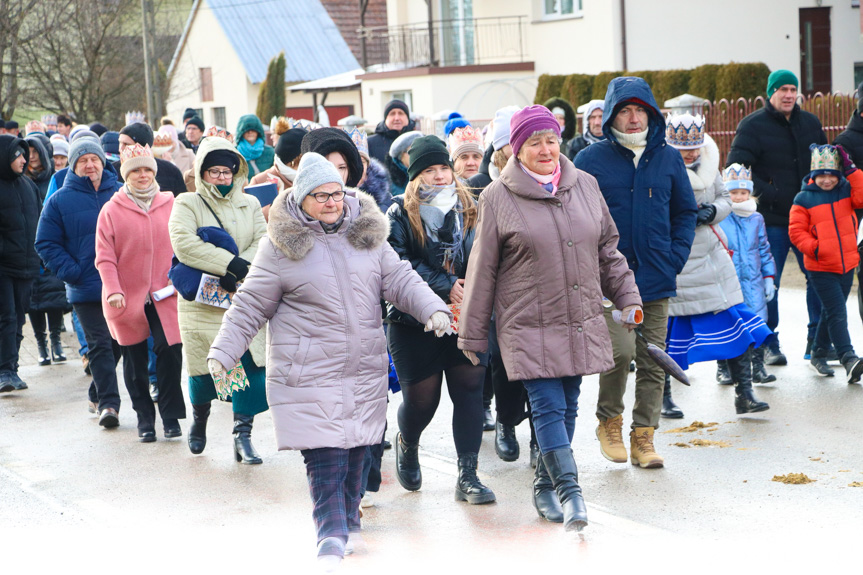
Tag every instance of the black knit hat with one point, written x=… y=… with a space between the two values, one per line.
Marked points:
x=426 y=152
x=288 y=146
x=324 y=141
x=98 y=128
x=189 y=113
x=396 y=104
x=225 y=158
x=140 y=133
x=196 y=121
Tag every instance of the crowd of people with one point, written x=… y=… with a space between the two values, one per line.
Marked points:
x=507 y=260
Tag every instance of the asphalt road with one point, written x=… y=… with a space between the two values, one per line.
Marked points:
x=75 y=497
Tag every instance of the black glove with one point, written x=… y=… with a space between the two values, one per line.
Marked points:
x=228 y=283
x=239 y=267
x=706 y=213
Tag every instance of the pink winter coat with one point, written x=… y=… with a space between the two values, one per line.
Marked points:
x=326 y=351
x=133 y=256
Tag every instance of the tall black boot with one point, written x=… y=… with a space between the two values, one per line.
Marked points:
x=198 y=431
x=56 y=346
x=723 y=376
x=759 y=374
x=669 y=408
x=44 y=358
x=468 y=487
x=544 y=496
x=741 y=373
x=564 y=476
x=408 y=469
x=244 y=451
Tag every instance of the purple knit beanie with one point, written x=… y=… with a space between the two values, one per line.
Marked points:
x=529 y=120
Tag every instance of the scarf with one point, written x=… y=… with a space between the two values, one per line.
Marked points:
x=286 y=171
x=142 y=198
x=591 y=139
x=438 y=202
x=327 y=228
x=224 y=189
x=635 y=142
x=548 y=183
x=744 y=209
x=251 y=151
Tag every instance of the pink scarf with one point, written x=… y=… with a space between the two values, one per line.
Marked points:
x=549 y=182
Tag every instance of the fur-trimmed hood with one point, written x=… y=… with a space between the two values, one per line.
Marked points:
x=378 y=184
x=291 y=231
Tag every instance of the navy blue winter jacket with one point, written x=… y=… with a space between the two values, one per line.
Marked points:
x=653 y=206
x=66 y=237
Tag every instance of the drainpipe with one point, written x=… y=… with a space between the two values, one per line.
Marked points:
x=623 y=31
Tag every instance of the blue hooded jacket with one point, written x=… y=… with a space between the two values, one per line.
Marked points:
x=747 y=238
x=653 y=206
x=66 y=236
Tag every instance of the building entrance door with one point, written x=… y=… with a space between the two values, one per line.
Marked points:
x=816 y=74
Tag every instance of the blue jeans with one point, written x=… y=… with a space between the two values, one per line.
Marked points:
x=79 y=333
x=554 y=407
x=151 y=361
x=833 y=289
x=780 y=243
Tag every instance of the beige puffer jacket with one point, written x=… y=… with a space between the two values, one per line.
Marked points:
x=241 y=216
x=327 y=359
x=542 y=263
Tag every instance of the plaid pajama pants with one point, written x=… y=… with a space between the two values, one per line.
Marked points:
x=335 y=479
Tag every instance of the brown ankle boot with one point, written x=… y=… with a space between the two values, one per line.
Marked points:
x=641 y=448
x=610 y=435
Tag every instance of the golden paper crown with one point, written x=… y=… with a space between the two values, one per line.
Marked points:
x=825 y=158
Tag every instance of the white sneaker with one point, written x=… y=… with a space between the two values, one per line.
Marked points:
x=329 y=563
x=355 y=543
x=367 y=500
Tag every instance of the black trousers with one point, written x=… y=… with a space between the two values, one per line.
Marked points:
x=37 y=321
x=136 y=374
x=14 y=302
x=511 y=397
x=104 y=355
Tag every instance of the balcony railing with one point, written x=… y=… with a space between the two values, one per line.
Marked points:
x=466 y=42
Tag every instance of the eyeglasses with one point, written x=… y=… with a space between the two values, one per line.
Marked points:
x=323 y=197
x=218 y=174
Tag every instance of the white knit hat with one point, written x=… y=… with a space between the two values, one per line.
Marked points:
x=501 y=126
x=314 y=170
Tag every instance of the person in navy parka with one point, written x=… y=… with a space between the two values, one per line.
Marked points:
x=66 y=242
x=645 y=185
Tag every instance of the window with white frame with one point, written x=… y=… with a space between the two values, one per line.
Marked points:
x=405 y=96
x=560 y=8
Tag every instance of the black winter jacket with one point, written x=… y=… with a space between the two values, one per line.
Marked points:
x=383 y=138
x=777 y=150
x=43 y=178
x=427 y=260
x=168 y=176
x=377 y=184
x=19 y=214
x=852 y=138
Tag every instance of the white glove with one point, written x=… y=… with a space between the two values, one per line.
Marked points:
x=438 y=323
x=216 y=368
x=769 y=288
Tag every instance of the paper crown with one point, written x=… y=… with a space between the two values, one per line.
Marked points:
x=685 y=131
x=135 y=118
x=161 y=140
x=219 y=132
x=34 y=126
x=464 y=140
x=825 y=160
x=361 y=141
x=737 y=176
x=135 y=151
x=50 y=121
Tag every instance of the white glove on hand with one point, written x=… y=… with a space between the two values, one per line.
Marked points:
x=216 y=368
x=769 y=289
x=438 y=323
x=472 y=356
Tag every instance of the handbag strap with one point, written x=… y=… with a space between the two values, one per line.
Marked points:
x=724 y=245
x=211 y=211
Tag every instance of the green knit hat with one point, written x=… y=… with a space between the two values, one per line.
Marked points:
x=779 y=78
x=426 y=152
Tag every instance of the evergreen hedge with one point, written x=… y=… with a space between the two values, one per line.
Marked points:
x=710 y=81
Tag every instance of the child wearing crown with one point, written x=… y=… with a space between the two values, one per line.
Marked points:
x=707 y=318
x=756 y=269
x=823 y=226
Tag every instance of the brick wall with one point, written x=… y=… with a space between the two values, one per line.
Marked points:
x=346 y=15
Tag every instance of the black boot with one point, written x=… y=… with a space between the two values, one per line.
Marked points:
x=408 y=464
x=487 y=419
x=741 y=373
x=669 y=408
x=44 y=358
x=198 y=431
x=723 y=376
x=564 y=476
x=853 y=367
x=505 y=442
x=545 y=497
x=244 y=451
x=57 y=347
x=468 y=487
x=759 y=374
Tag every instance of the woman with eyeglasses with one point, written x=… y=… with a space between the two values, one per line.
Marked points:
x=316 y=281
x=432 y=227
x=219 y=202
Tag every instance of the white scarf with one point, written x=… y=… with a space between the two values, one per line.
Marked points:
x=635 y=142
x=744 y=209
x=286 y=171
x=443 y=198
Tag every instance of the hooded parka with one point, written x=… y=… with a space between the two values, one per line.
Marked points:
x=241 y=216
x=19 y=214
x=320 y=296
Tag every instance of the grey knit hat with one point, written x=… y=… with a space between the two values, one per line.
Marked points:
x=314 y=170
x=83 y=146
x=403 y=143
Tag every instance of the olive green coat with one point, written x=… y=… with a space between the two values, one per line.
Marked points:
x=241 y=217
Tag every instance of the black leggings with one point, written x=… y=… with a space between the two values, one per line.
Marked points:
x=420 y=401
